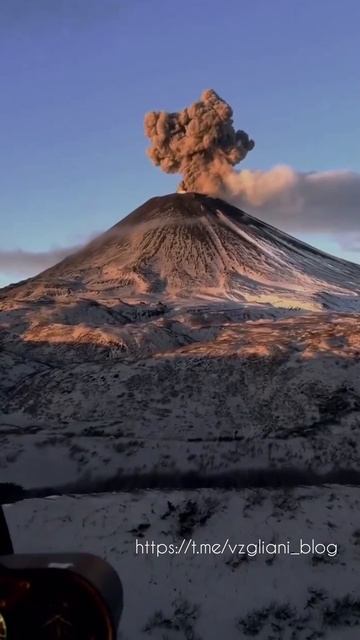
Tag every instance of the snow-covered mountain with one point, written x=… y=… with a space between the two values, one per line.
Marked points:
x=185 y=246
x=196 y=351
x=187 y=322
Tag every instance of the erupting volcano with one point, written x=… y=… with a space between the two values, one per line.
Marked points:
x=203 y=357
x=185 y=303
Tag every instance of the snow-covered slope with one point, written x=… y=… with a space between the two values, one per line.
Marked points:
x=191 y=246
x=237 y=593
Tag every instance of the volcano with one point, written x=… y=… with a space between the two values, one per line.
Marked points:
x=190 y=247
x=188 y=321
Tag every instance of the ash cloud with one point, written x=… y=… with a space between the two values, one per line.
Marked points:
x=326 y=202
x=202 y=144
x=199 y=142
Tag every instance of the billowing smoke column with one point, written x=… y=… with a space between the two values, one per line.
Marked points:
x=199 y=142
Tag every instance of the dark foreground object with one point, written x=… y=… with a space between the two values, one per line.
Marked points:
x=57 y=596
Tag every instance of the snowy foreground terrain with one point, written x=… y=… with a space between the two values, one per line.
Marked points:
x=259 y=395
x=198 y=596
x=193 y=373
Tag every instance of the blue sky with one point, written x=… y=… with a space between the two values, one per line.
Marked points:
x=77 y=77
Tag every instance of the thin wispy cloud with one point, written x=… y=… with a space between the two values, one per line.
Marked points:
x=19 y=262
x=25 y=263
x=350 y=242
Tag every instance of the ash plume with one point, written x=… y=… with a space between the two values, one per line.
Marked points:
x=199 y=142
x=318 y=201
